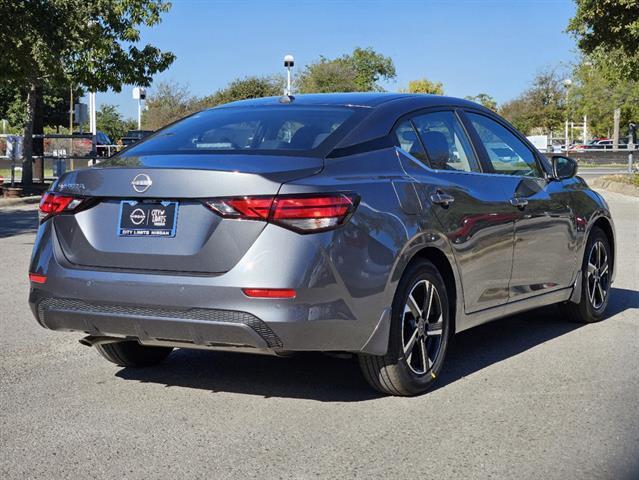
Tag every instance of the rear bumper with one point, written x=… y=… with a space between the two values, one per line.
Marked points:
x=198 y=326
x=333 y=311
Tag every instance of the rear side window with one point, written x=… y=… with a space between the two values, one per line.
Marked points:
x=507 y=154
x=446 y=143
x=247 y=129
x=409 y=142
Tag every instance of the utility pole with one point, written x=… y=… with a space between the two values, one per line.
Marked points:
x=70 y=152
x=585 y=132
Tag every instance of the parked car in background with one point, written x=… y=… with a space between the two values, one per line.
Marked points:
x=134 y=136
x=608 y=144
x=373 y=224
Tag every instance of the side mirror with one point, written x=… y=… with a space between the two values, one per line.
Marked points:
x=563 y=167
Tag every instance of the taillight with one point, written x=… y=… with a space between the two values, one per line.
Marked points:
x=302 y=213
x=254 y=208
x=53 y=204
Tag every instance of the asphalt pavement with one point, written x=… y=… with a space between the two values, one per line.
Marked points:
x=529 y=396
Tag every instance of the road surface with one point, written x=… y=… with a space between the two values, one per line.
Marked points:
x=596 y=172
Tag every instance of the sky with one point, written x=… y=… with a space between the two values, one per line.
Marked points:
x=471 y=46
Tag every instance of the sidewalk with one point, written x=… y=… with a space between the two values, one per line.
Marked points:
x=8 y=202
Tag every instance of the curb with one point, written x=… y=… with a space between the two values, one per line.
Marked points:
x=7 y=202
x=614 y=186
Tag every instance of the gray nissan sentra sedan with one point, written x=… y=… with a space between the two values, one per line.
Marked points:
x=374 y=224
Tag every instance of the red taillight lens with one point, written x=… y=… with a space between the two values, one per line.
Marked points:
x=256 y=207
x=37 y=278
x=312 y=213
x=269 y=292
x=303 y=213
x=312 y=207
x=52 y=203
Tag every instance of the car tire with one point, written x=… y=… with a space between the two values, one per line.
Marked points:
x=404 y=370
x=596 y=270
x=132 y=354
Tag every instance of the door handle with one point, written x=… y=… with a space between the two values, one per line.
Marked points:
x=441 y=198
x=519 y=202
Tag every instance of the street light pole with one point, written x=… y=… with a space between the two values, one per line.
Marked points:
x=139 y=94
x=567 y=84
x=289 y=62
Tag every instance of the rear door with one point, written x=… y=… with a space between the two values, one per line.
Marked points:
x=472 y=208
x=544 y=256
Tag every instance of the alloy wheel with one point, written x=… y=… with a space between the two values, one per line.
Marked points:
x=598 y=276
x=422 y=327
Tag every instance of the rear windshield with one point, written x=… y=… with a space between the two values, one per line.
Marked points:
x=248 y=129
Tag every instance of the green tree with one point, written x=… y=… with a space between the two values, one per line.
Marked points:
x=485 y=100
x=542 y=106
x=547 y=100
x=109 y=120
x=370 y=67
x=516 y=111
x=171 y=101
x=245 y=88
x=326 y=76
x=358 y=71
x=608 y=32
x=168 y=102
x=593 y=94
x=424 y=85
x=53 y=104
x=93 y=44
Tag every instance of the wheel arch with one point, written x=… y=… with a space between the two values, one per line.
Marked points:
x=443 y=264
x=605 y=224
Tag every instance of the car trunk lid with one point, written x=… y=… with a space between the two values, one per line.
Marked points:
x=202 y=242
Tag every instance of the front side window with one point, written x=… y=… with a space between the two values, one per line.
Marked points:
x=507 y=154
x=445 y=141
x=247 y=129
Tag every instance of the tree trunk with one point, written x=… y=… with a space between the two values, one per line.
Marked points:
x=615 y=134
x=27 y=161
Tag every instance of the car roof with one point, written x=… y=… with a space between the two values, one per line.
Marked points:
x=357 y=99
x=382 y=109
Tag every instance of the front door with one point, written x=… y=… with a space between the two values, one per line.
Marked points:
x=544 y=250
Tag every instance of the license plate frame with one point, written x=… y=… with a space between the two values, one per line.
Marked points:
x=147 y=219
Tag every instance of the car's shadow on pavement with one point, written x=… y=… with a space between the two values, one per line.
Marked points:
x=328 y=379
x=16 y=222
x=622 y=299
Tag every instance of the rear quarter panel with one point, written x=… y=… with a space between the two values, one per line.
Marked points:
x=370 y=253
